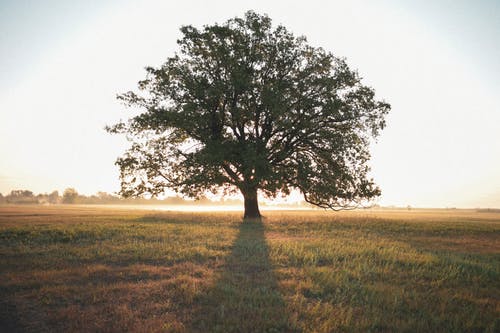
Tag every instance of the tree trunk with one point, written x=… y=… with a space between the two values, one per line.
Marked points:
x=251 y=204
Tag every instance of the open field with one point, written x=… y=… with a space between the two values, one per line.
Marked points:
x=92 y=269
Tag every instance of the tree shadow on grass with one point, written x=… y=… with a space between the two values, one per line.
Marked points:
x=245 y=298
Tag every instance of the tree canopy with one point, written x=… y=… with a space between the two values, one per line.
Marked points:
x=248 y=106
x=69 y=195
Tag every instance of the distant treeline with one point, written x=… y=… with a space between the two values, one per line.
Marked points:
x=71 y=196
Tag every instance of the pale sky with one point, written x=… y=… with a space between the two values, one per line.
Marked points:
x=437 y=62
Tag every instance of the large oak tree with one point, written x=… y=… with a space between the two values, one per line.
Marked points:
x=247 y=106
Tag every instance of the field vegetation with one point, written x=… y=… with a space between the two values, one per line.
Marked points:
x=77 y=268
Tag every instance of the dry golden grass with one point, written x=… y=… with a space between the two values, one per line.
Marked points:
x=81 y=269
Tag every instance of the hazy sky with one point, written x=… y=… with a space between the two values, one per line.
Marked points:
x=437 y=62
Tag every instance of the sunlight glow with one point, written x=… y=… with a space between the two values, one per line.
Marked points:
x=440 y=148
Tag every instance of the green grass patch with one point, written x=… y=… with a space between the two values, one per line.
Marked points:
x=87 y=269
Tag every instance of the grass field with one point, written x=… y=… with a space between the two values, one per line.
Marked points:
x=66 y=269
